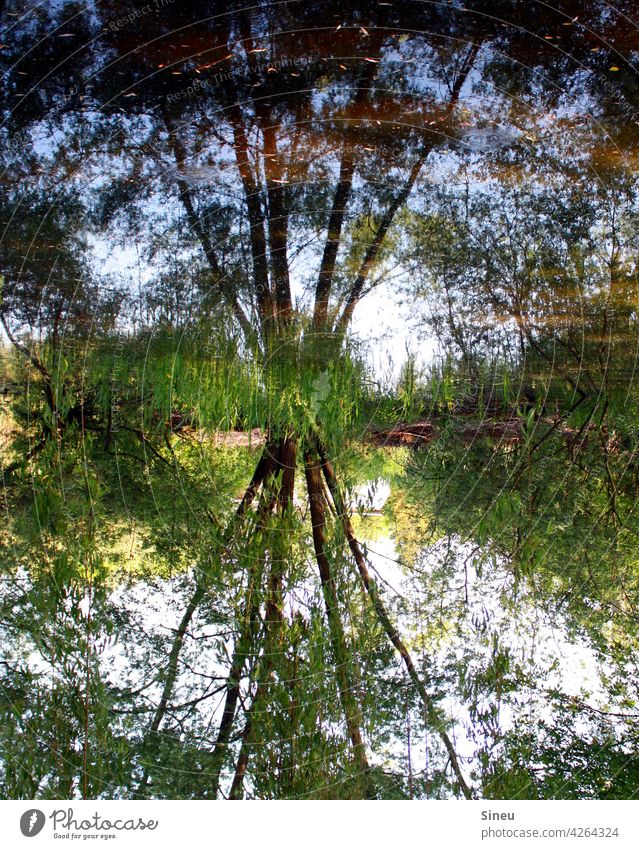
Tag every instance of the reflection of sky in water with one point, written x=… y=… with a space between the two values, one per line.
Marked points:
x=537 y=639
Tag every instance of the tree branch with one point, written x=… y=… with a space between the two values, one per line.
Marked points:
x=342 y=195
x=432 y=715
x=198 y=228
x=372 y=253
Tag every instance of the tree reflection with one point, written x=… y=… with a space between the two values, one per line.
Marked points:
x=196 y=204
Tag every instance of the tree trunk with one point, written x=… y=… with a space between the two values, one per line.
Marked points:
x=286 y=461
x=262 y=470
x=390 y=629
x=241 y=651
x=352 y=711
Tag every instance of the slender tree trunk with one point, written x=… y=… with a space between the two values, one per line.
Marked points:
x=279 y=459
x=172 y=666
x=241 y=653
x=352 y=711
x=274 y=616
x=390 y=629
x=262 y=470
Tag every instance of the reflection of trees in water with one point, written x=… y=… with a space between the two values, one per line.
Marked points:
x=260 y=173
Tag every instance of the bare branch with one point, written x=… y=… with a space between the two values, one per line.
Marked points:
x=372 y=253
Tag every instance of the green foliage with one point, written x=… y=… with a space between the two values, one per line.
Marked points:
x=163 y=237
